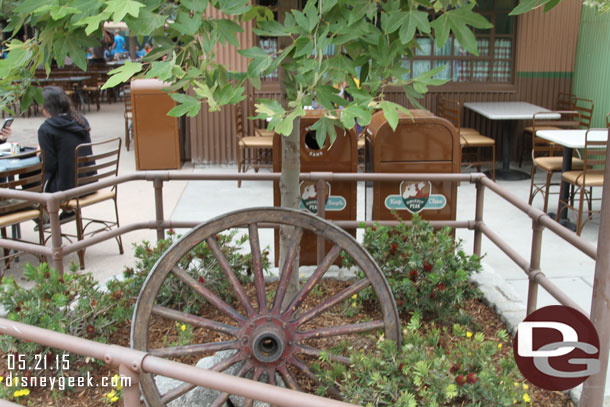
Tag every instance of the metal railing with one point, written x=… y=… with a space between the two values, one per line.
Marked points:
x=540 y=222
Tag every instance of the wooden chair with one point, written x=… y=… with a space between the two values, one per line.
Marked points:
x=591 y=175
x=13 y=212
x=585 y=108
x=92 y=89
x=103 y=163
x=548 y=157
x=565 y=101
x=470 y=139
x=249 y=148
x=128 y=116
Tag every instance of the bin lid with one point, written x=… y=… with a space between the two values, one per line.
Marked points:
x=139 y=85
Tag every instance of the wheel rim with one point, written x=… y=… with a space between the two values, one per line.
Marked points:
x=267 y=338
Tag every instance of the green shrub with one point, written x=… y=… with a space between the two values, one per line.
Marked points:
x=426 y=269
x=437 y=367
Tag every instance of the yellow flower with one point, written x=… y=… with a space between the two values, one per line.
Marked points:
x=525 y=386
x=354 y=304
x=1 y=378
x=355 y=296
x=111 y=394
x=22 y=392
x=114 y=399
x=26 y=392
x=499 y=346
x=526 y=398
x=468 y=334
x=516 y=384
x=183 y=327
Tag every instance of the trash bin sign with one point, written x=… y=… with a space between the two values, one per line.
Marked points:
x=156 y=137
x=340 y=197
x=423 y=143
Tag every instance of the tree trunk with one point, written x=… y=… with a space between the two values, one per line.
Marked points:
x=291 y=164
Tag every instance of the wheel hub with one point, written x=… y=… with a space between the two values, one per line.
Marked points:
x=266 y=340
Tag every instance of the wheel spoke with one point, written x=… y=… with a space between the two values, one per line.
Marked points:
x=328 y=260
x=194 y=320
x=339 y=330
x=177 y=392
x=332 y=301
x=207 y=294
x=194 y=349
x=257 y=265
x=271 y=377
x=226 y=268
x=228 y=362
x=222 y=397
x=288 y=377
x=308 y=350
x=256 y=376
x=302 y=366
x=287 y=269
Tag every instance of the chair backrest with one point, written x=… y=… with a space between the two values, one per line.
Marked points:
x=102 y=163
x=27 y=178
x=565 y=101
x=240 y=129
x=594 y=156
x=585 y=108
x=451 y=110
x=569 y=119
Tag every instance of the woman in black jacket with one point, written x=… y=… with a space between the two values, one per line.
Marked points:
x=58 y=137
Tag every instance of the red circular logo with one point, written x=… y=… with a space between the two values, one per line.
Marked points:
x=556 y=348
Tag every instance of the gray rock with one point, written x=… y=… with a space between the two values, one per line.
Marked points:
x=202 y=396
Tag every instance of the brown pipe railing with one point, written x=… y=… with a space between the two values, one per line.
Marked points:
x=132 y=362
x=540 y=221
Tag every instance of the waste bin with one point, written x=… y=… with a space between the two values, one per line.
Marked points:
x=423 y=143
x=156 y=135
x=342 y=156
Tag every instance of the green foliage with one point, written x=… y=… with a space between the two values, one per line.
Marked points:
x=426 y=269
x=437 y=367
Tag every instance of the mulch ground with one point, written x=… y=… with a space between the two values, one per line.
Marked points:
x=163 y=332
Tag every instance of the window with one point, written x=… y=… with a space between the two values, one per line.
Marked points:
x=495 y=62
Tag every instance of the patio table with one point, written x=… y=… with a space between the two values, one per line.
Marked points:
x=569 y=139
x=507 y=113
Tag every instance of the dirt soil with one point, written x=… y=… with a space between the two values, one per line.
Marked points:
x=163 y=332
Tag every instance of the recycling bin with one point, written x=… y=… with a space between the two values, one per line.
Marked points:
x=341 y=156
x=423 y=143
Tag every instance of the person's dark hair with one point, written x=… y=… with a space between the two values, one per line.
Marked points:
x=56 y=102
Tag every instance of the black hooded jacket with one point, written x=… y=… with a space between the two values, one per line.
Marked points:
x=58 y=137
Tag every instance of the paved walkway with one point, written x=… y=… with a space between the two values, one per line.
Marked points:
x=504 y=283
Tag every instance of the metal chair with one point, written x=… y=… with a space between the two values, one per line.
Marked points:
x=249 y=147
x=103 y=163
x=13 y=212
x=128 y=115
x=591 y=175
x=565 y=101
x=92 y=89
x=548 y=157
x=470 y=139
x=585 y=108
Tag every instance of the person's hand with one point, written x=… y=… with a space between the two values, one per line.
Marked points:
x=5 y=133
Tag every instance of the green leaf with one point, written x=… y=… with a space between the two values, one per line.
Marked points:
x=187 y=105
x=30 y=6
x=122 y=74
x=234 y=7
x=59 y=12
x=270 y=29
x=390 y=22
x=390 y=112
x=146 y=23
x=93 y=22
x=186 y=24
x=120 y=8
x=552 y=3
x=325 y=127
x=414 y=19
x=328 y=5
x=254 y=52
x=160 y=69
x=227 y=29
x=195 y=5
x=258 y=65
x=523 y=7
x=304 y=46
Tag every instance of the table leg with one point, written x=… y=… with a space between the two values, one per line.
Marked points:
x=505 y=173
x=566 y=165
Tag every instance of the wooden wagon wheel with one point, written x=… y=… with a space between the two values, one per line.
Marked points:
x=265 y=338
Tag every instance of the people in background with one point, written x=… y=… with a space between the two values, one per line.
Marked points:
x=59 y=135
x=147 y=48
x=5 y=133
x=140 y=52
x=119 y=43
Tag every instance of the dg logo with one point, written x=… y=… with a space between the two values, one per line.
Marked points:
x=556 y=348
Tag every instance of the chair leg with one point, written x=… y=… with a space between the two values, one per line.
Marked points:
x=532 y=193
x=79 y=233
x=127 y=134
x=119 y=239
x=493 y=163
x=547 y=186
x=580 y=207
x=6 y=252
x=239 y=164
